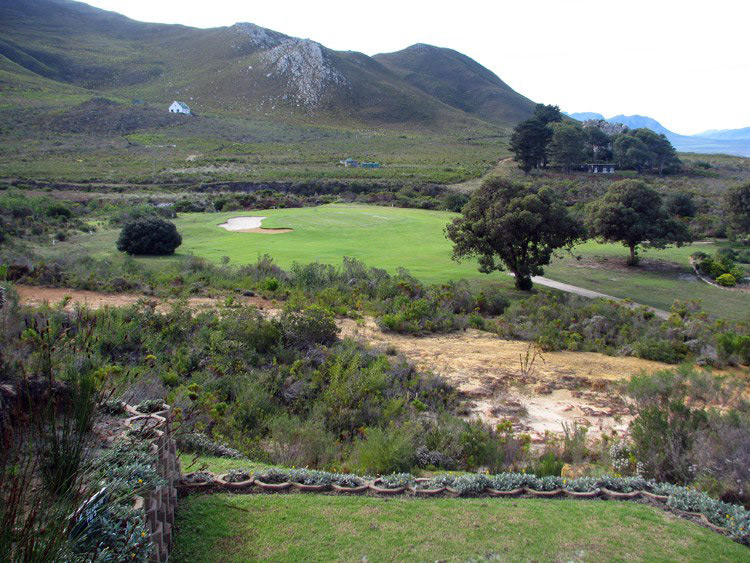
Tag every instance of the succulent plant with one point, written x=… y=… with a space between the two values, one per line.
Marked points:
x=310 y=477
x=273 y=476
x=581 y=484
x=470 y=484
x=347 y=480
x=113 y=407
x=150 y=406
x=237 y=475
x=508 y=481
x=197 y=477
x=396 y=480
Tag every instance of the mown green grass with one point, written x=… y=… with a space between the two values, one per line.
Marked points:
x=299 y=527
x=662 y=277
x=393 y=238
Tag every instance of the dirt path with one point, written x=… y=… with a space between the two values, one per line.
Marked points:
x=560 y=386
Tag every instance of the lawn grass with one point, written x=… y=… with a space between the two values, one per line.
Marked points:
x=297 y=527
x=663 y=277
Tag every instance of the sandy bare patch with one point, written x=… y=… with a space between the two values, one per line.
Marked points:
x=564 y=387
x=33 y=295
x=250 y=225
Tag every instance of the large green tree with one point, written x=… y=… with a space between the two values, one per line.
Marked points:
x=630 y=152
x=528 y=143
x=568 y=144
x=631 y=212
x=598 y=144
x=508 y=225
x=662 y=153
x=643 y=150
x=738 y=209
x=530 y=138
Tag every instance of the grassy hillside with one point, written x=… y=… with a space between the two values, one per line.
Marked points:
x=458 y=81
x=241 y=70
x=392 y=238
x=324 y=528
x=85 y=94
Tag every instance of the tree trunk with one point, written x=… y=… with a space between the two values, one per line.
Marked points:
x=633 y=260
x=523 y=282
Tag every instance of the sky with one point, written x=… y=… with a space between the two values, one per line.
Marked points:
x=685 y=63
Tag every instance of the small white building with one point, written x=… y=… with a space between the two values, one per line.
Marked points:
x=601 y=168
x=179 y=107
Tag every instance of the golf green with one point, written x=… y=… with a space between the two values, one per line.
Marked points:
x=385 y=237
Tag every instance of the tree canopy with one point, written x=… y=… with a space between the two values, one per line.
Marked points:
x=530 y=138
x=507 y=225
x=642 y=150
x=567 y=146
x=631 y=212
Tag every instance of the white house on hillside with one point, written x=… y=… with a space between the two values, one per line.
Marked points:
x=179 y=107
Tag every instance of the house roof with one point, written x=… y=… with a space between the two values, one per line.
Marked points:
x=182 y=105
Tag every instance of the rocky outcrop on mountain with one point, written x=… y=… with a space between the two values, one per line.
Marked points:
x=260 y=36
x=306 y=68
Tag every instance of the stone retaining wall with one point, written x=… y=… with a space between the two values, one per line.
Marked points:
x=160 y=504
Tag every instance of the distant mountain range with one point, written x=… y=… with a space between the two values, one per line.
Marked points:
x=245 y=70
x=727 y=134
x=727 y=141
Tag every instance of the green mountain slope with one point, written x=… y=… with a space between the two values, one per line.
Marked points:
x=458 y=81
x=243 y=70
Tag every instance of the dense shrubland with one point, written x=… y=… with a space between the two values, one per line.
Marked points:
x=38 y=218
x=286 y=390
x=401 y=303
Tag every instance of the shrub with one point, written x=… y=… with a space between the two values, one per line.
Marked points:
x=304 y=329
x=149 y=236
x=549 y=465
x=113 y=407
x=385 y=451
x=492 y=302
x=726 y=280
x=659 y=351
x=669 y=409
x=300 y=443
x=733 y=347
x=581 y=484
x=574 y=443
x=681 y=204
x=508 y=481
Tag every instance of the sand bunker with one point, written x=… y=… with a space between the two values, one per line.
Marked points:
x=250 y=225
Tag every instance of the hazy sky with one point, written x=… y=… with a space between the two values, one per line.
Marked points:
x=685 y=63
